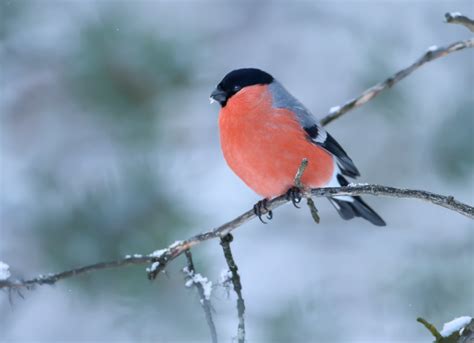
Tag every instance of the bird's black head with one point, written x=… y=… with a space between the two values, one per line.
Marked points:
x=238 y=79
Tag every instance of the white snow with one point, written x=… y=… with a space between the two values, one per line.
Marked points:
x=357 y=184
x=175 y=244
x=194 y=278
x=4 y=271
x=334 y=109
x=134 y=255
x=153 y=267
x=225 y=277
x=455 y=14
x=433 y=48
x=158 y=253
x=456 y=324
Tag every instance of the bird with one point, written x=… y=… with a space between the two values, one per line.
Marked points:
x=265 y=133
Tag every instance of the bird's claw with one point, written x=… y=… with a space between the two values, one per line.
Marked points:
x=294 y=194
x=260 y=208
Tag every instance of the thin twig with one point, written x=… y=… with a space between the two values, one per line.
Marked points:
x=225 y=242
x=179 y=247
x=433 y=53
x=312 y=207
x=205 y=302
x=431 y=328
x=50 y=279
x=458 y=18
x=313 y=210
x=299 y=173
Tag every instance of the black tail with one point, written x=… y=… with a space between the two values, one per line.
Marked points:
x=356 y=208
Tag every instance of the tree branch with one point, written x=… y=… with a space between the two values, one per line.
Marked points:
x=433 y=53
x=431 y=328
x=161 y=258
x=225 y=243
x=312 y=207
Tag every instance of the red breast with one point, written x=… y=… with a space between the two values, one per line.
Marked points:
x=264 y=145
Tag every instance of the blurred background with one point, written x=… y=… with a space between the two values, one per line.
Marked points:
x=109 y=147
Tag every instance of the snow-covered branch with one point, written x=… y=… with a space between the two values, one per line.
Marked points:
x=458 y=330
x=458 y=18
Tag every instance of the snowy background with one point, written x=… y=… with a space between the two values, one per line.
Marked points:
x=109 y=147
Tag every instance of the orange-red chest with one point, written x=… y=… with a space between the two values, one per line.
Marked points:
x=264 y=146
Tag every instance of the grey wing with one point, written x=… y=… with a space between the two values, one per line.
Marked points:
x=318 y=135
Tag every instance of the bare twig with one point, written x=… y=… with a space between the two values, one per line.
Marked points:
x=161 y=259
x=441 y=200
x=205 y=302
x=431 y=328
x=299 y=173
x=225 y=242
x=313 y=210
x=312 y=207
x=458 y=18
x=433 y=53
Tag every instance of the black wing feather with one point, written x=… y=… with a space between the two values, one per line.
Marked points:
x=348 y=167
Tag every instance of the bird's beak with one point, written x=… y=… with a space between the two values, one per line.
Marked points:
x=218 y=95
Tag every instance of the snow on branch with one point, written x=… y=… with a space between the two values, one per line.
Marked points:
x=458 y=18
x=459 y=330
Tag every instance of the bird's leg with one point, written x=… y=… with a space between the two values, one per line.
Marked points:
x=260 y=208
x=294 y=194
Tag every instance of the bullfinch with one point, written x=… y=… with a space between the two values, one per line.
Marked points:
x=265 y=133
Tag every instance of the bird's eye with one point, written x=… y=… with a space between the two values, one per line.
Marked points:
x=237 y=88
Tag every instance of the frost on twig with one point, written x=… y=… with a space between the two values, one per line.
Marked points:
x=199 y=281
x=204 y=288
x=225 y=280
x=458 y=330
x=160 y=259
x=458 y=18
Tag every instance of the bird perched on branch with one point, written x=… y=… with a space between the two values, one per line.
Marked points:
x=265 y=133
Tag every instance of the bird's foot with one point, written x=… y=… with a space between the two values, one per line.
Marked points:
x=294 y=194
x=260 y=208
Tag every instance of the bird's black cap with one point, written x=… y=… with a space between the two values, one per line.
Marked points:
x=238 y=79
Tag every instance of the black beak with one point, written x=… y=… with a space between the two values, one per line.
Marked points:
x=218 y=95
